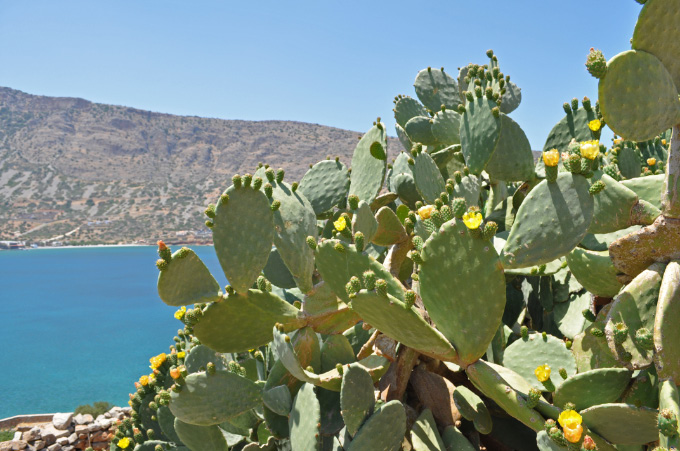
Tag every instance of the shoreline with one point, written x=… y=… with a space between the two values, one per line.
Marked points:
x=94 y=246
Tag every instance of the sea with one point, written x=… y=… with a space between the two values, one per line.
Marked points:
x=78 y=325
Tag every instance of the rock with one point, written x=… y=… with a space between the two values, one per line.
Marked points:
x=100 y=418
x=99 y=446
x=81 y=429
x=72 y=438
x=55 y=447
x=67 y=448
x=93 y=427
x=31 y=435
x=39 y=444
x=83 y=419
x=62 y=441
x=104 y=423
x=17 y=436
x=62 y=421
x=50 y=434
x=13 y=445
x=100 y=436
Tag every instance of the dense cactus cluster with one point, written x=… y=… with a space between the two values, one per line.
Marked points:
x=463 y=297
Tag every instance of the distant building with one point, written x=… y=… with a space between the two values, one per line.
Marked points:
x=9 y=245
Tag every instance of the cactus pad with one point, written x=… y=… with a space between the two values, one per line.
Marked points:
x=595 y=271
x=593 y=387
x=357 y=397
x=612 y=206
x=363 y=221
x=406 y=108
x=325 y=185
x=305 y=416
x=472 y=408
x=390 y=231
x=201 y=438
x=384 y=430
x=666 y=330
x=435 y=88
x=278 y=400
x=368 y=172
x=513 y=159
x=419 y=130
x=186 y=280
x=647 y=188
x=429 y=181
x=479 y=133
x=622 y=424
x=199 y=356
x=446 y=127
x=572 y=126
x=424 y=433
x=592 y=352
x=276 y=271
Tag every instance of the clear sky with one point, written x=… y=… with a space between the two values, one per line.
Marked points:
x=331 y=62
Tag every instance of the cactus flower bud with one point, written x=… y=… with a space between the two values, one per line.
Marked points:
x=257 y=183
x=549 y=424
x=381 y=287
x=596 y=187
x=236 y=180
x=587 y=314
x=557 y=436
x=524 y=332
x=459 y=207
x=533 y=397
x=339 y=247
x=620 y=332
x=574 y=104
x=311 y=242
x=409 y=298
x=667 y=422
x=644 y=338
x=269 y=173
x=210 y=211
x=596 y=63
x=490 y=229
x=355 y=284
x=589 y=444
x=563 y=373
x=369 y=280
x=353 y=202
x=651 y=161
x=161 y=264
x=359 y=241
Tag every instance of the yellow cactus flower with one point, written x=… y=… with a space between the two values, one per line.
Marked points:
x=179 y=314
x=123 y=443
x=651 y=161
x=144 y=380
x=590 y=149
x=181 y=354
x=426 y=211
x=130 y=403
x=542 y=373
x=569 y=419
x=573 y=435
x=340 y=224
x=472 y=219
x=663 y=141
x=174 y=373
x=595 y=125
x=157 y=361
x=551 y=158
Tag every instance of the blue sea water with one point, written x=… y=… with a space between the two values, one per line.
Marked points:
x=78 y=325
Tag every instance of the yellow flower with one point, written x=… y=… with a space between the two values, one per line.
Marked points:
x=157 y=361
x=181 y=354
x=569 y=419
x=663 y=141
x=472 y=219
x=340 y=224
x=542 y=373
x=130 y=403
x=573 y=435
x=124 y=442
x=590 y=149
x=651 y=161
x=144 y=380
x=618 y=141
x=174 y=373
x=179 y=314
x=551 y=157
x=425 y=212
x=595 y=125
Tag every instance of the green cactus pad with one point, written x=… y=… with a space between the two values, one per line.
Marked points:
x=325 y=185
x=166 y=421
x=403 y=137
x=622 y=424
x=545 y=443
x=601 y=241
x=666 y=330
x=336 y=349
x=363 y=221
x=493 y=385
x=390 y=316
x=186 y=280
x=669 y=399
x=278 y=400
x=407 y=108
x=659 y=18
x=390 y=230
x=455 y=261
x=419 y=130
x=208 y=399
x=638 y=78
x=551 y=221
x=511 y=99
x=572 y=126
x=635 y=306
x=201 y=438
x=199 y=356
x=276 y=271
x=405 y=187
x=357 y=397
x=243 y=233
x=435 y=88
x=593 y=352
x=429 y=180
x=244 y=321
x=595 y=271
x=593 y=387
x=472 y=408
x=524 y=356
x=146 y=415
x=568 y=316
x=446 y=127
x=629 y=163
x=424 y=433
x=647 y=188
x=401 y=164
x=304 y=418
x=612 y=206
x=384 y=430
x=337 y=268
x=368 y=172
x=513 y=159
x=469 y=189
x=454 y=440
x=480 y=131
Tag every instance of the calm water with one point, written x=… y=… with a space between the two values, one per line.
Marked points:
x=79 y=325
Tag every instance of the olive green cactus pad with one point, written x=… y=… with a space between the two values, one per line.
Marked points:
x=207 y=399
x=394 y=319
x=669 y=399
x=429 y=180
x=639 y=79
x=276 y=271
x=551 y=221
x=622 y=424
x=525 y=355
x=595 y=271
x=390 y=230
x=635 y=306
x=278 y=400
x=357 y=397
x=456 y=262
x=455 y=440
x=147 y=415
x=574 y=125
x=629 y=163
x=419 y=130
x=304 y=420
x=198 y=357
x=384 y=430
x=201 y=438
x=593 y=352
x=480 y=131
x=512 y=98
x=446 y=127
x=568 y=316
x=325 y=185
x=405 y=187
x=593 y=387
x=406 y=108
x=513 y=159
x=545 y=443
x=363 y=221
x=601 y=241
x=368 y=172
x=473 y=408
x=493 y=385
x=244 y=321
x=647 y=188
x=424 y=433
x=243 y=234
x=166 y=421
x=666 y=330
x=337 y=267
x=659 y=18
x=435 y=88
x=186 y=280
x=469 y=189
x=612 y=206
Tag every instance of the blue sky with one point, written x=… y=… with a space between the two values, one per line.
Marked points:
x=331 y=62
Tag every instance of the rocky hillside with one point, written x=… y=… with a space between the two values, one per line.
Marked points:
x=108 y=174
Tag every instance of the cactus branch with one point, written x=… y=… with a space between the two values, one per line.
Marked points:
x=671 y=193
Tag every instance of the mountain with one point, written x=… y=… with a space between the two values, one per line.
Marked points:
x=108 y=174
